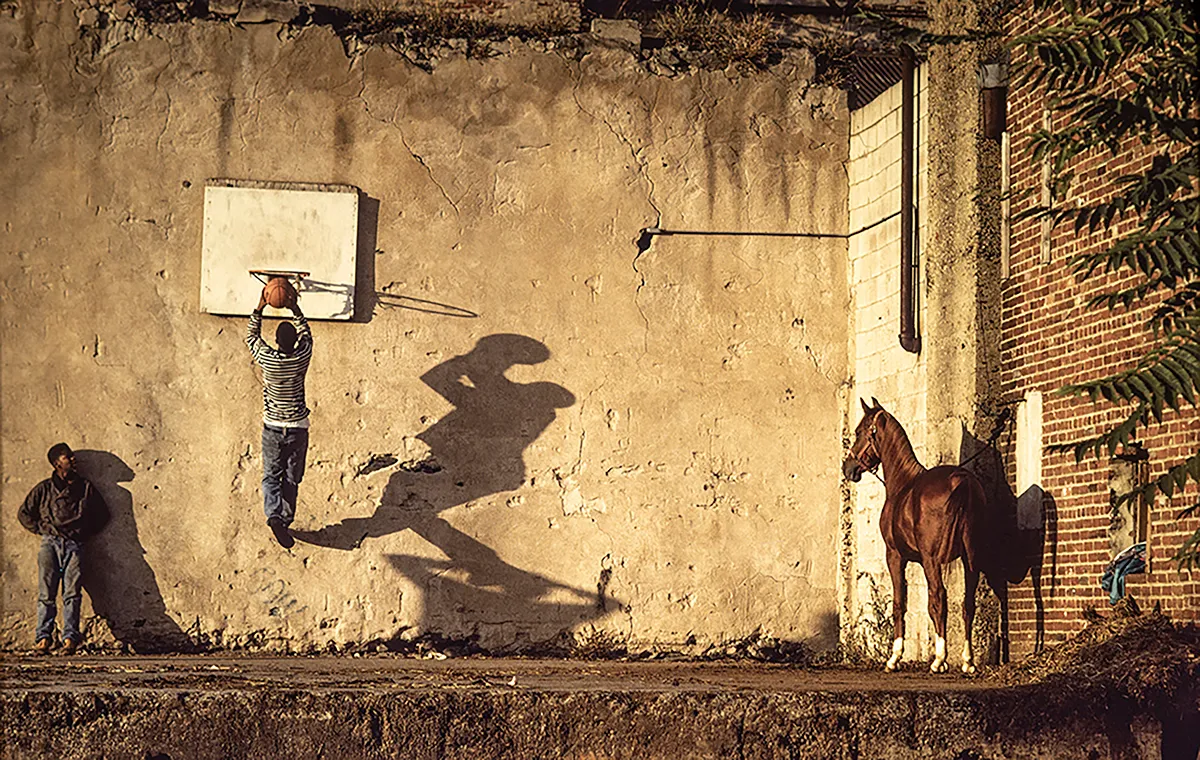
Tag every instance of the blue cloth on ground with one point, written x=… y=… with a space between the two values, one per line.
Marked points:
x=1129 y=561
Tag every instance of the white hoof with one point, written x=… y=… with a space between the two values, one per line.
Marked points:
x=968 y=668
x=939 y=657
x=897 y=651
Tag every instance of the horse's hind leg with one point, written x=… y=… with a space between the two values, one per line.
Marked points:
x=937 y=611
x=896 y=566
x=999 y=585
x=972 y=583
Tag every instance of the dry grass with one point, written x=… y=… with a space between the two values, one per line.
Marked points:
x=870 y=642
x=592 y=643
x=433 y=22
x=834 y=56
x=1145 y=656
x=691 y=25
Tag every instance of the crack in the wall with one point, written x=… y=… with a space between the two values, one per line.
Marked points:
x=415 y=156
x=637 y=302
x=429 y=171
x=643 y=171
x=157 y=78
x=570 y=493
x=165 y=126
x=799 y=323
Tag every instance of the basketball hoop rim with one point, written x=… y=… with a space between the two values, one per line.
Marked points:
x=263 y=275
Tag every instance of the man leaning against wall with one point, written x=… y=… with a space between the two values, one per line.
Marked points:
x=65 y=510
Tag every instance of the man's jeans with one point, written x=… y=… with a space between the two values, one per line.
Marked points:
x=59 y=560
x=283 y=452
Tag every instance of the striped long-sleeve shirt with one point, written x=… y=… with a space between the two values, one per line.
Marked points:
x=283 y=374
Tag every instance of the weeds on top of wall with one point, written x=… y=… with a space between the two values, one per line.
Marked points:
x=713 y=38
x=423 y=32
x=680 y=37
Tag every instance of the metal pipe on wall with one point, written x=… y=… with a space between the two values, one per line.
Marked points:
x=909 y=340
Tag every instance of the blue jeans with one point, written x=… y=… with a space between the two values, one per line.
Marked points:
x=59 y=560
x=283 y=453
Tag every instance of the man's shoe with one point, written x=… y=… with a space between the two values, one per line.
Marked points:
x=42 y=646
x=70 y=646
x=282 y=534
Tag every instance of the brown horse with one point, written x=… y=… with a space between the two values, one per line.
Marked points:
x=929 y=516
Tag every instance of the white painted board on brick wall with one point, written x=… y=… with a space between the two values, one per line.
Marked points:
x=274 y=225
x=1029 y=462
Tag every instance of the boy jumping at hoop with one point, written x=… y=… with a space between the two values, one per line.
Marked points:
x=285 y=416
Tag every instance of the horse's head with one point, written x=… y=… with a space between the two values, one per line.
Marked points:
x=864 y=454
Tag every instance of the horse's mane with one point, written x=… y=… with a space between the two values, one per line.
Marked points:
x=899 y=461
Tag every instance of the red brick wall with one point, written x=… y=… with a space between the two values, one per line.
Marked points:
x=1049 y=337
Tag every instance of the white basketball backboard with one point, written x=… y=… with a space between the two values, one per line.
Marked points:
x=279 y=226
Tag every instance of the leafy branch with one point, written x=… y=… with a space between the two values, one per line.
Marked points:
x=1121 y=75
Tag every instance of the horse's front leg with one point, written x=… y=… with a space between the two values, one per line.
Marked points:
x=896 y=565
x=937 y=612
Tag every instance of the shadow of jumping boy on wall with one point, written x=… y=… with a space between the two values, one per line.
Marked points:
x=475 y=451
x=117 y=577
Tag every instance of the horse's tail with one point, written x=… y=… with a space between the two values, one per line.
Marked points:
x=972 y=517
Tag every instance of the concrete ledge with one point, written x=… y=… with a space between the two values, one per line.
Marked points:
x=206 y=707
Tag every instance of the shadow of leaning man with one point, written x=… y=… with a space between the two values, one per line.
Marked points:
x=475 y=451
x=121 y=584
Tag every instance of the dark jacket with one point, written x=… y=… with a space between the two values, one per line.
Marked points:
x=46 y=505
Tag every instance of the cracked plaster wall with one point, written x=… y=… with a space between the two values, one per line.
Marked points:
x=669 y=475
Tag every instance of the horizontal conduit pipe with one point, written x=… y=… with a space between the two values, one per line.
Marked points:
x=650 y=232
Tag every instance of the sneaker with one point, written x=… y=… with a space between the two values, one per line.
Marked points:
x=70 y=646
x=43 y=646
x=282 y=534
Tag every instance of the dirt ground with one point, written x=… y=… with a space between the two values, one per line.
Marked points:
x=386 y=705
x=1125 y=687
x=391 y=673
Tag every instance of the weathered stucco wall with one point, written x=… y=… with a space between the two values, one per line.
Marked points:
x=644 y=442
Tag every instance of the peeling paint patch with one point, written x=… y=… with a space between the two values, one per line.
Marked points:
x=624 y=470
x=375 y=463
x=573 y=501
x=428 y=466
x=737 y=352
x=685 y=601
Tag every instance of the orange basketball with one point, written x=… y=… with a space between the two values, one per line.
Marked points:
x=278 y=292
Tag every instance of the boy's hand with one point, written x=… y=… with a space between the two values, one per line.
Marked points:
x=262 y=299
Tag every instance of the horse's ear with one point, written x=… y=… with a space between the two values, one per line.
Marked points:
x=875 y=403
x=866 y=409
